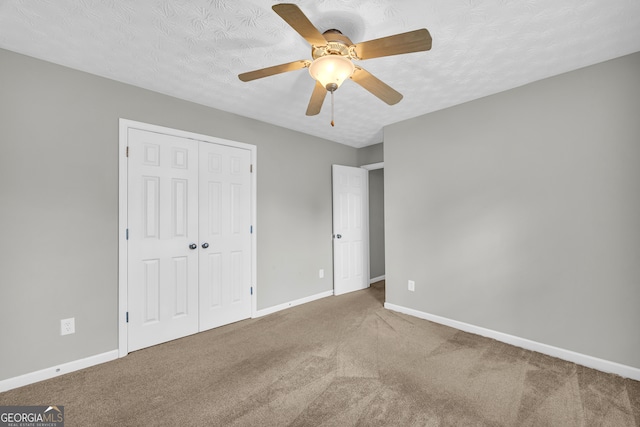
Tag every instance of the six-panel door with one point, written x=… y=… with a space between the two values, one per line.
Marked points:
x=225 y=230
x=189 y=245
x=163 y=222
x=350 y=229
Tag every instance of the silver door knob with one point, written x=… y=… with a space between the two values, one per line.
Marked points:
x=205 y=245
x=193 y=246
x=338 y=236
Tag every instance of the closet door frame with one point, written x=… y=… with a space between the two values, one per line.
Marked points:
x=124 y=126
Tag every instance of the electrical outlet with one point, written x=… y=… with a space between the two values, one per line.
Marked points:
x=412 y=285
x=68 y=326
x=321 y=273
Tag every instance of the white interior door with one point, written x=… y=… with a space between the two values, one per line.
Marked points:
x=225 y=235
x=189 y=236
x=350 y=229
x=163 y=223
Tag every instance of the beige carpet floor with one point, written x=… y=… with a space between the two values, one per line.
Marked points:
x=339 y=361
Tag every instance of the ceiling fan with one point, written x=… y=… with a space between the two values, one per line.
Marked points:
x=333 y=54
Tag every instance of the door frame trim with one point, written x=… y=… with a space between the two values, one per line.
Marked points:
x=373 y=166
x=123 y=179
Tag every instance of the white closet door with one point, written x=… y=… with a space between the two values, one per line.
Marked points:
x=163 y=223
x=225 y=235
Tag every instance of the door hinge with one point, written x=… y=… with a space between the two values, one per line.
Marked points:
x=127 y=317
x=250 y=168
x=127 y=234
x=127 y=154
x=252 y=290
x=251 y=229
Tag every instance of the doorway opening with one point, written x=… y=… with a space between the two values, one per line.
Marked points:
x=358 y=244
x=376 y=222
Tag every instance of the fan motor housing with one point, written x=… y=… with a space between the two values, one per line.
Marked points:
x=337 y=44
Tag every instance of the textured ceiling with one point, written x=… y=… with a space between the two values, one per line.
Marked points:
x=194 y=50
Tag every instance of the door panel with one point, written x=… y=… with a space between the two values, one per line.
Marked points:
x=151 y=284
x=225 y=225
x=212 y=296
x=163 y=221
x=350 y=225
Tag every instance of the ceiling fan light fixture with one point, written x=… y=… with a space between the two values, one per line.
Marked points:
x=332 y=53
x=331 y=70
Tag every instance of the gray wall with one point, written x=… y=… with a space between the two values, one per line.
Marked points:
x=376 y=223
x=59 y=209
x=371 y=154
x=520 y=212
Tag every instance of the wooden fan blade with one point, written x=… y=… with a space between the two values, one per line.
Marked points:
x=413 y=41
x=299 y=22
x=376 y=86
x=276 y=69
x=317 y=98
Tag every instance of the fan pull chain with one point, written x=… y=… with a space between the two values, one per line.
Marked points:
x=332 y=124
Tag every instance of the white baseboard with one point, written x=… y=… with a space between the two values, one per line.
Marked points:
x=376 y=279
x=65 y=368
x=560 y=353
x=290 y=304
x=55 y=371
